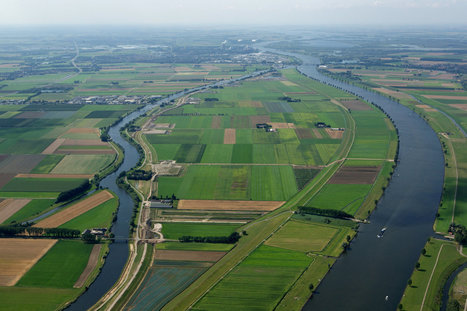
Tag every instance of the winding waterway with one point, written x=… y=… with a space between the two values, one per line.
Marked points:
x=374 y=268
x=118 y=251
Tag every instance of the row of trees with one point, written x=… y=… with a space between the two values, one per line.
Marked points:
x=14 y=231
x=139 y=175
x=231 y=239
x=72 y=193
x=323 y=212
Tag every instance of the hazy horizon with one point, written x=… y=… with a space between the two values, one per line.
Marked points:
x=234 y=13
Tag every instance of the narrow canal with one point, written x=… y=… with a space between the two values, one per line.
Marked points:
x=376 y=268
x=118 y=252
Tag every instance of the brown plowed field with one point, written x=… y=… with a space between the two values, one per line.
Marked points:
x=21 y=163
x=188 y=255
x=10 y=206
x=5 y=178
x=355 y=175
x=17 y=256
x=53 y=146
x=334 y=134
x=85 y=151
x=259 y=119
x=303 y=133
x=29 y=115
x=84 y=130
x=250 y=103
x=55 y=175
x=355 y=104
x=426 y=107
x=75 y=210
x=227 y=205
x=92 y=263
x=216 y=122
x=317 y=133
x=84 y=142
x=393 y=93
x=229 y=137
x=459 y=106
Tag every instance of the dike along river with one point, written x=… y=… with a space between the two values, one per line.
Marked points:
x=378 y=267
x=118 y=253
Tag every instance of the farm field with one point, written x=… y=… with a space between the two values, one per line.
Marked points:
x=448 y=260
x=177 y=230
x=229 y=205
x=77 y=209
x=18 y=256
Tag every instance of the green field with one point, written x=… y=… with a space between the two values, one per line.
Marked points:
x=302 y=237
x=273 y=183
x=33 y=208
x=172 y=230
x=448 y=261
x=98 y=217
x=47 y=164
x=195 y=246
x=41 y=184
x=35 y=298
x=60 y=267
x=258 y=282
x=347 y=198
x=83 y=164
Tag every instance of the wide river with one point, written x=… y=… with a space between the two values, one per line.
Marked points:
x=375 y=268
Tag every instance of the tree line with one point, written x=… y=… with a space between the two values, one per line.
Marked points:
x=231 y=239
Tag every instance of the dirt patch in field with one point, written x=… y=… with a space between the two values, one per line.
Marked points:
x=229 y=137
x=55 y=176
x=445 y=97
x=210 y=67
x=395 y=94
x=259 y=119
x=5 y=178
x=459 y=106
x=303 y=133
x=355 y=104
x=426 y=107
x=92 y=263
x=250 y=103
x=84 y=142
x=317 y=133
x=282 y=125
x=289 y=83
x=182 y=69
x=85 y=151
x=75 y=210
x=227 y=205
x=10 y=206
x=355 y=175
x=156 y=131
x=162 y=125
x=334 y=133
x=53 y=146
x=83 y=130
x=216 y=122
x=29 y=115
x=188 y=255
x=17 y=256
x=3 y=157
x=22 y=163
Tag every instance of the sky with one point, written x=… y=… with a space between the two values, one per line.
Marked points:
x=233 y=12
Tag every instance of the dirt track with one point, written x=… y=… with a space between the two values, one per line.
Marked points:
x=75 y=210
x=53 y=146
x=92 y=262
x=10 y=206
x=227 y=205
x=17 y=256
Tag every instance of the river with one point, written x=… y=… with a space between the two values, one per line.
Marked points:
x=118 y=251
x=374 y=268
